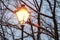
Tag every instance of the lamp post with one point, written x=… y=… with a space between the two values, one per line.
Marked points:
x=22 y=15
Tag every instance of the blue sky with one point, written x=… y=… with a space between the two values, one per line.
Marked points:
x=45 y=9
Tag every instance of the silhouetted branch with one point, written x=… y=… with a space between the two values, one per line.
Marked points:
x=6 y=6
x=36 y=11
x=3 y=36
x=41 y=28
x=55 y=21
x=50 y=5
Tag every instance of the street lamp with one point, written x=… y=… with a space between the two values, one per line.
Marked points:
x=22 y=15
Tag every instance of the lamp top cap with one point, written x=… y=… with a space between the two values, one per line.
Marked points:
x=22 y=5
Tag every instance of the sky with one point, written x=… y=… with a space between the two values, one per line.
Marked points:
x=14 y=20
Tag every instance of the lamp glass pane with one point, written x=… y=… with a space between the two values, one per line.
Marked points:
x=22 y=15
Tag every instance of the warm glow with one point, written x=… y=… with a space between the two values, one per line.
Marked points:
x=22 y=15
